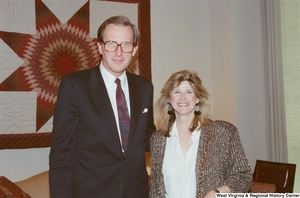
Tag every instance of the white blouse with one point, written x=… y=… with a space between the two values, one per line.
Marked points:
x=179 y=172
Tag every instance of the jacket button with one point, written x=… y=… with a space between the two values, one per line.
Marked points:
x=121 y=183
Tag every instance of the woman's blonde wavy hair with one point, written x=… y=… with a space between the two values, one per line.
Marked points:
x=163 y=120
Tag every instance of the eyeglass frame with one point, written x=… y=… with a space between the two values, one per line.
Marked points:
x=118 y=45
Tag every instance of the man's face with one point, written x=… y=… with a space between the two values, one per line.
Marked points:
x=116 y=62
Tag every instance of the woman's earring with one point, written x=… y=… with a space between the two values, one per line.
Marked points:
x=197 y=109
x=170 y=109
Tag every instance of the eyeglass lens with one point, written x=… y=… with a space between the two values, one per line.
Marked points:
x=112 y=46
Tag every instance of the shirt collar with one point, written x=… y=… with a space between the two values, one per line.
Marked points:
x=108 y=77
x=174 y=131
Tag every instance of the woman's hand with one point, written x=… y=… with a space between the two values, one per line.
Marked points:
x=211 y=194
x=221 y=189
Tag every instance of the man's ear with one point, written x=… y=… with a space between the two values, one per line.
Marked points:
x=134 y=51
x=100 y=47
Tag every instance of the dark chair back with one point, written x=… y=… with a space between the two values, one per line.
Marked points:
x=280 y=174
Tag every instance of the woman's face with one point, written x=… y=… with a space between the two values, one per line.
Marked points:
x=183 y=99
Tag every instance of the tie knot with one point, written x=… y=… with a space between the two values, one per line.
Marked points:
x=118 y=81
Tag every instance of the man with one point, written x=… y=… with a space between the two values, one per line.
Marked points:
x=91 y=155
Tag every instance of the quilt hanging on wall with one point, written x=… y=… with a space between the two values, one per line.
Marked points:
x=41 y=41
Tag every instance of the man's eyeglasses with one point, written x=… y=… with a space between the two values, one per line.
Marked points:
x=112 y=46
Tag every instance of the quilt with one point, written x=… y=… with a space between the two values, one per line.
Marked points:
x=41 y=41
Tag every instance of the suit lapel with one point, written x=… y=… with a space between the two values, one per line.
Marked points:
x=100 y=97
x=135 y=95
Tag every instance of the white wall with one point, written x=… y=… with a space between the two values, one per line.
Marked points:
x=22 y=163
x=180 y=40
x=249 y=78
x=221 y=40
x=222 y=60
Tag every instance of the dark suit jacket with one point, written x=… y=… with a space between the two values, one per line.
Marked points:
x=86 y=159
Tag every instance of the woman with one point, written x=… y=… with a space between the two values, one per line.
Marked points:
x=192 y=156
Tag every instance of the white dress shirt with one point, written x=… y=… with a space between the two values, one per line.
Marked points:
x=111 y=88
x=179 y=172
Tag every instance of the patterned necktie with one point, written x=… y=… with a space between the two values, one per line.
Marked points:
x=124 y=120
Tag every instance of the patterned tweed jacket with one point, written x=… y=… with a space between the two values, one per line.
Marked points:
x=226 y=162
